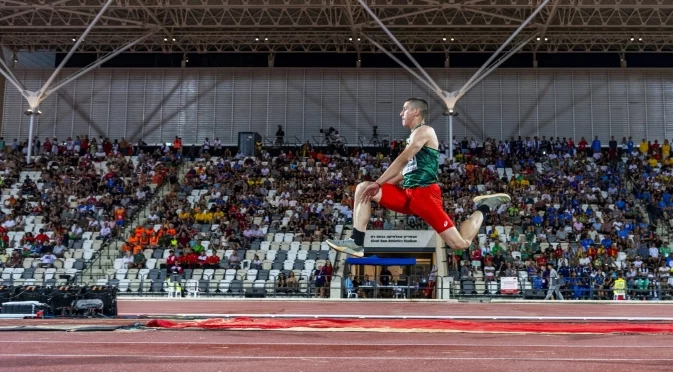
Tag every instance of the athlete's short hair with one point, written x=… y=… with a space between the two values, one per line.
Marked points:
x=420 y=104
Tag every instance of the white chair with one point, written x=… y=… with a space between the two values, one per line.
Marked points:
x=118 y=264
x=192 y=288
x=124 y=285
x=7 y=273
x=295 y=246
x=172 y=288
x=88 y=254
x=69 y=262
x=121 y=274
x=208 y=274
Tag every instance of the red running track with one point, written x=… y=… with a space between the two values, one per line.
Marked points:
x=402 y=308
x=325 y=352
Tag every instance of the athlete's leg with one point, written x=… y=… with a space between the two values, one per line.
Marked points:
x=362 y=212
x=389 y=196
x=428 y=205
x=461 y=239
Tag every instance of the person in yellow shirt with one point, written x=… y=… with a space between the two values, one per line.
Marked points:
x=183 y=215
x=653 y=162
x=218 y=214
x=644 y=147
x=665 y=150
x=203 y=217
x=619 y=288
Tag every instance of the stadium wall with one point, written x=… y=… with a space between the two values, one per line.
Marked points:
x=157 y=104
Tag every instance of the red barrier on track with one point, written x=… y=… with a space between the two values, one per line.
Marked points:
x=414 y=325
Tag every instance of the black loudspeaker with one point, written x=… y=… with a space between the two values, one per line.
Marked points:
x=255 y=293
x=246 y=142
x=105 y=293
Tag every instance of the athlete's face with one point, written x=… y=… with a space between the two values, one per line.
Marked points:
x=409 y=115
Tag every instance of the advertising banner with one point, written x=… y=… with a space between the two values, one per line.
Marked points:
x=400 y=238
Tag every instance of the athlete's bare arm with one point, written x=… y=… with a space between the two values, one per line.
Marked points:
x=397 y=179
x=419 y=138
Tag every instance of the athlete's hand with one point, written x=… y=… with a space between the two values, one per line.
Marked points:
x=370 y=192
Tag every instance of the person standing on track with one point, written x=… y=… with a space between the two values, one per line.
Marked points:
x=409 y=186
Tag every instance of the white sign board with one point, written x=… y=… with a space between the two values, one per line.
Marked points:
x=509 y=285
x=400 y=239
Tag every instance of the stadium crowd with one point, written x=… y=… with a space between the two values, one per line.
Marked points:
x=593 y=212
x=73 y=196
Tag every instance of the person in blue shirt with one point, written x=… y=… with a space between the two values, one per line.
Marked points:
x=597 y=281
x=538 y=281
x=629 y=145
x=623 y=233
x=607 y=242
x=586 y=243
x=537 y=220
x=596 y=145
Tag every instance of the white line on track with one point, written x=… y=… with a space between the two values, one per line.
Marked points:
x=340 y=358
x=322 y=344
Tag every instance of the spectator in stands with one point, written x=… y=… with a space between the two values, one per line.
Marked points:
x=234 y=261
x=281 y=283
x=59 y=248
x=256 y=263
x=16 y=260
x=128 y=260
x=292 y=283
x=47 y=260
x=139 y=260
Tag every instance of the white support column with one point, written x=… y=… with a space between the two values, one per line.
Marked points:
x=30 y=139
x=33 y=102
x=451 y=137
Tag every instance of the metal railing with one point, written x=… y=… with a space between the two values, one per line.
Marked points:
x=572 y=288
x=404 y=286
x=238 y=287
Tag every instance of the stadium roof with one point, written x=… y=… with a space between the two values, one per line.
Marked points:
x=216 y=26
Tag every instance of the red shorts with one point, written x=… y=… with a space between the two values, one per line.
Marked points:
x=424 y=202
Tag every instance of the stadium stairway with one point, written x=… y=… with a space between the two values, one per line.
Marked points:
x=100 y=269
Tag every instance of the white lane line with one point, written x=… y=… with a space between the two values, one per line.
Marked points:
x=322 y=344
x=340 y=358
